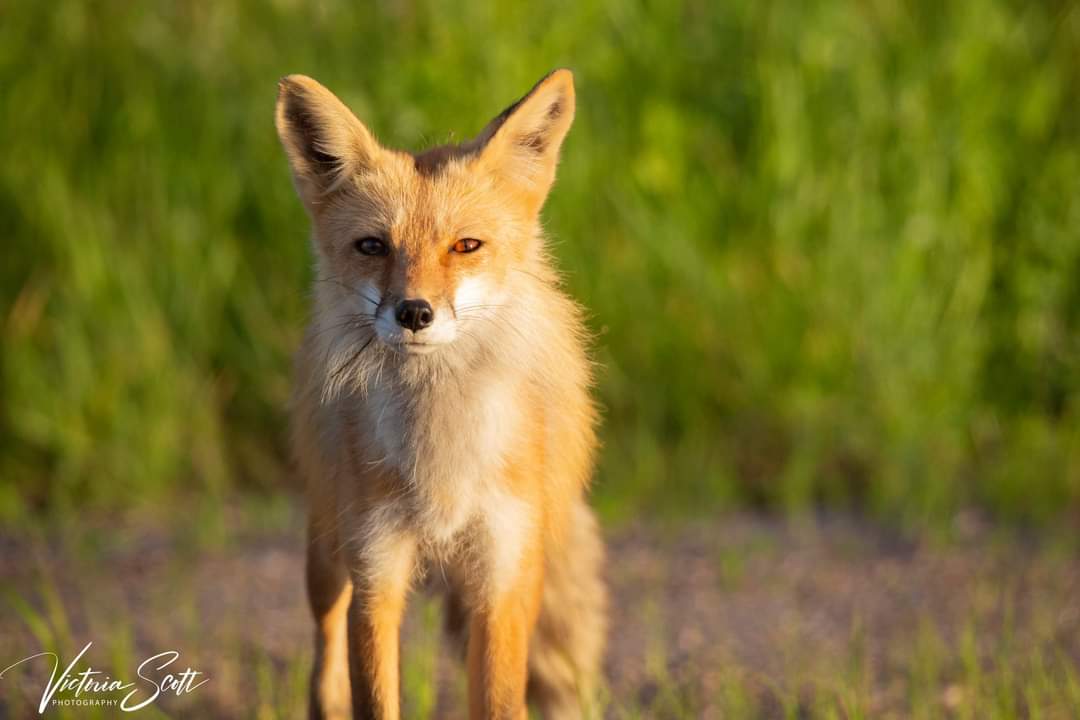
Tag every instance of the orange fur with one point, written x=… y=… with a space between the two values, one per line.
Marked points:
x=462 y=436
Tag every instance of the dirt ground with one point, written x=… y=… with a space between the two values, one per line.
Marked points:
x=739 y=611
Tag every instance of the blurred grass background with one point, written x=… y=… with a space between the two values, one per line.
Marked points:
x=831 y=250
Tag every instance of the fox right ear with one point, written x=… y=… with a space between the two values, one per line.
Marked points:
x=521 y=145
x=323 y=140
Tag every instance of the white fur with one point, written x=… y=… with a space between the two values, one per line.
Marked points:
x=472 y=293
x=507 y=522
x=384 y=416
x=385 y=548
x=449 y=446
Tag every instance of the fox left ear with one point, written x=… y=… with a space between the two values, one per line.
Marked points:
x=521 y=145
x=323 y=140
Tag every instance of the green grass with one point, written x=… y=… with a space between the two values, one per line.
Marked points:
x=831 y=251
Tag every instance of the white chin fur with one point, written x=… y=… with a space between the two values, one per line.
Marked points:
x=415 y=348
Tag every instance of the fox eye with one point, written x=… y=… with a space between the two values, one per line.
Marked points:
x=467 y=245
x=371 y=246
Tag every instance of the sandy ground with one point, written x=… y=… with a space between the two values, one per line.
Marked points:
x=773 y=613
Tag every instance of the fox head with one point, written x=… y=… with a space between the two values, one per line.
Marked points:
x=420 y=254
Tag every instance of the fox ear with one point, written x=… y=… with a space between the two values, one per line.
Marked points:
x=323 y=140
x=521 y=145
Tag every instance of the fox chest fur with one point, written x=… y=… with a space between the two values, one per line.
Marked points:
x=448 y=445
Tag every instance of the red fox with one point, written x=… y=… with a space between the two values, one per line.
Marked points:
x=441 y=415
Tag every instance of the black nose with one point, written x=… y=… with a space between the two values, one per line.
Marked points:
x=414 y=314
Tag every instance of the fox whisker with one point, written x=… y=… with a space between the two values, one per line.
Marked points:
x=501 y=324
x=534 y=276
x=337 y=281
x=466 y=309
x=348 y=364
x=357 y=323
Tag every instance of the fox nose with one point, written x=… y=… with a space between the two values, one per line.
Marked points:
x=414 y=314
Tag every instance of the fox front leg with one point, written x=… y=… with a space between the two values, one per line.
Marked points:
x=381 y=583
x=498 y=651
